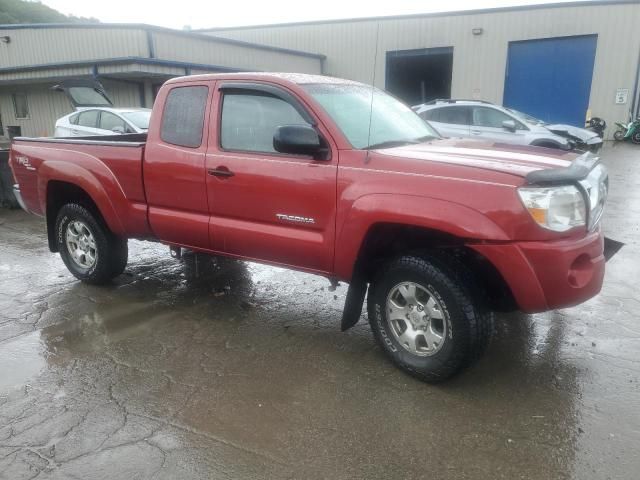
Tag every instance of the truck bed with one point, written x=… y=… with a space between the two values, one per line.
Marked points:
x=110 y=164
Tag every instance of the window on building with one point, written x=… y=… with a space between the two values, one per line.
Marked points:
x=109 y=121
x=88 y=118
x=183 y=116
x=20 y=105
x=249 y=121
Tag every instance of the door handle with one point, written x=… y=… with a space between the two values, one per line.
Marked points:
x=476 y=132
x=222 y=172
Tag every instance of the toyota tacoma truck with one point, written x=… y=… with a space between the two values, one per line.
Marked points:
x=339 y=179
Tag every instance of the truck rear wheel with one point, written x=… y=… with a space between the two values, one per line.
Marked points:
x=428 y=317
x=87 y=247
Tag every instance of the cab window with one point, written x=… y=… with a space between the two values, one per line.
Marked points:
x=249 y=121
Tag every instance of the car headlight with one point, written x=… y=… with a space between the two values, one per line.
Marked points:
x=555 y=208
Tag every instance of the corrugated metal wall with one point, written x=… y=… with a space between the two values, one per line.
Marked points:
x=41 y=46
x=50 y=46
x=479 y=61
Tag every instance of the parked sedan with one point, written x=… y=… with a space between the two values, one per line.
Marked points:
x=477 y=119
x=103 y=121
x=94 y=112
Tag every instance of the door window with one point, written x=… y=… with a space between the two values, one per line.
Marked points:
x=88 y=119
x=249 y=121
x=109 y=121
x=492 y=118
x=456 y=115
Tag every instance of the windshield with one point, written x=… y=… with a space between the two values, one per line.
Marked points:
x=351 y=107
x=138 y=119
x=526 y=117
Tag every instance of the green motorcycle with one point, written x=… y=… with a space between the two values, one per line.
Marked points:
x=628 y=131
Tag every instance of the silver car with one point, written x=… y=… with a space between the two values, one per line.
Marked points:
x=95 y=114
x=484 y=120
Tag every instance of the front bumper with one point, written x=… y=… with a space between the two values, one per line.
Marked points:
x=18 y=195
x=547 y=275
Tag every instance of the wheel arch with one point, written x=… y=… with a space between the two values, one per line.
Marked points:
x=59 y=193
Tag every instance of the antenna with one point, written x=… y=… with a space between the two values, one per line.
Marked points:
x=373 y=82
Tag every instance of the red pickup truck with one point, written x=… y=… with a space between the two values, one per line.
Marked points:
x=339 y=179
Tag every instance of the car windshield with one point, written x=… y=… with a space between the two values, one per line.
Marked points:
x=369 y=117
x=526 y=117
x=139 y=119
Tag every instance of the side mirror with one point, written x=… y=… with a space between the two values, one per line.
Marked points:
x=509 y=125
x=298 y=139
x=119 y=130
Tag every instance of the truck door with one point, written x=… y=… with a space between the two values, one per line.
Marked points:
x=264 y=204
x=174 y=165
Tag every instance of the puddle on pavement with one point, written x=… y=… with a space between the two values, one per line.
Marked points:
x=21 y=359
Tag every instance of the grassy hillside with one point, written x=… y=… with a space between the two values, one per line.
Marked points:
x=20 y=11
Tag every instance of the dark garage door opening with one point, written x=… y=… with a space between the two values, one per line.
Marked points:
x=417 y=76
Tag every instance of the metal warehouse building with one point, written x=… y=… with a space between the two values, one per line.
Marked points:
x=559 y=62
x=131 y=61
x=555 y=61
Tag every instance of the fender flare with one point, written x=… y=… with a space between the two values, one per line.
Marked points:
x=409 y=210
x=99 y=184
x=371 y=210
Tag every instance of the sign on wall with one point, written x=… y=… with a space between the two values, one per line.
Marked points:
x=622 y=94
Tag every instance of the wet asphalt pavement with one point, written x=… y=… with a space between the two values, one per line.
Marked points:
x=207 y=368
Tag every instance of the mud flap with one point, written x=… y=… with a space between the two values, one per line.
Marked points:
x=611 y=247
x=354 y=302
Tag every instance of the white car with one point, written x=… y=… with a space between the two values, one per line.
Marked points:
x=103 y=121
x=484 y=120
x=95 y=114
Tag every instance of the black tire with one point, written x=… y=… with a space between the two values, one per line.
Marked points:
x=120 y=256
x=635 y=138
x=110 y=253
x=618 y=135
x=469 y=325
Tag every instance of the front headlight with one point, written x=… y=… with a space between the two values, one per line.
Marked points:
x=555 y=208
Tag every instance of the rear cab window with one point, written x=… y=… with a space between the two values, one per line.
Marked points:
x=183 y=116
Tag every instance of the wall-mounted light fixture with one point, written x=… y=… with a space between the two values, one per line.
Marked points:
x=477 y=31
x=5 y=39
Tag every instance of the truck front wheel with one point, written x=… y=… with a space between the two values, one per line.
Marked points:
x=428 y=317
x=87 y=247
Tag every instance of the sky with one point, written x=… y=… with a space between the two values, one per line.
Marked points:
x=208 y=14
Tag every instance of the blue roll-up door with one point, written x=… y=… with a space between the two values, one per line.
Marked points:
x=551 y=78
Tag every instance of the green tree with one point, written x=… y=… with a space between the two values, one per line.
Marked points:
x=21 y=11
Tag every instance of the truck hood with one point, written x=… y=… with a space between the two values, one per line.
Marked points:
x=567 y=131
x=505 y=158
